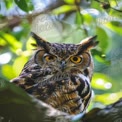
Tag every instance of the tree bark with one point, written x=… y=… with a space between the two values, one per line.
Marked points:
x=111 y=113
x=17 y=106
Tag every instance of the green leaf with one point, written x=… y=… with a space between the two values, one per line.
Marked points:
x=79 y=18
x=8 y=71
x=102 y=38
x=8 y=3
x=11 y=41
x=18 y=64
x=2 y=42
x=88 y=19
x=115 y=26
x=108 y=98
x=29 y=43
x=101 y=81
x=30 y=6
x=64 y=9
x=22 y=5
x=100 y=57
x=70 y=1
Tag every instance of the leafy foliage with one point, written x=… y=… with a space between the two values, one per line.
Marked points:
x=70 y=22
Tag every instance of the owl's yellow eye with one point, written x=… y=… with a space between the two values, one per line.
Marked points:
x=49 y=58
x=76 y=59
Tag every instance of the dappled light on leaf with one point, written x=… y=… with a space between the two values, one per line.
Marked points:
x=101 y=81
x=8 y=71
x=108 y=98
x=11 y=41
x=18 y=64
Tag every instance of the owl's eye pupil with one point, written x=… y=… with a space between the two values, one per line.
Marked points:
x=50 y=57
x=75 y=58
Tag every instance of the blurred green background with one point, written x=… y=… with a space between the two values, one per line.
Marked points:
x=65 y=21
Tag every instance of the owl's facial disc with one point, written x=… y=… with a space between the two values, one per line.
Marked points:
x=64 y=57
x=59 y=62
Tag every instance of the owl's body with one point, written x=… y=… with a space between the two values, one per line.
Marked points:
x=60 y=74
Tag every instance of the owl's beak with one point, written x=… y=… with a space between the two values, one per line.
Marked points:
x=63 y=65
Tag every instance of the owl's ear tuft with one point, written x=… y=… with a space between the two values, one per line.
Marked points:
x=88 y=43
x=40 y=41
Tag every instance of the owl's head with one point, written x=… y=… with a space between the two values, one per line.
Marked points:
x=64 y=57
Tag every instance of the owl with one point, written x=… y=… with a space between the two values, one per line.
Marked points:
x=60 y=74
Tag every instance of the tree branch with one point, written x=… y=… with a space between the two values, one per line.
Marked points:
x=17 y=106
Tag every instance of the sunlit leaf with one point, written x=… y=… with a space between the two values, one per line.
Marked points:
x=108 y=98
x=30 y=43
x=2 y=42
x=113 y=3
x=12 y=42
x=64 y=9
x=113 y=27
x=87 y=18
x=70 y=1
x=8 y=71
x=18 y=64
x=101 y=81
x=8 y=3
